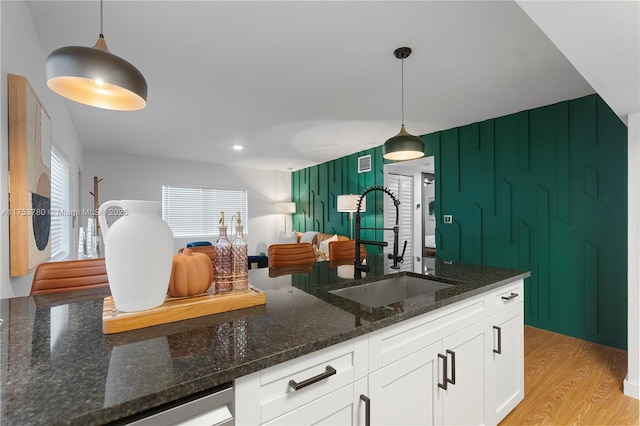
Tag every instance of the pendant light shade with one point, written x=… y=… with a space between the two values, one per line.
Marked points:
x=94 y=76
x=403 y=146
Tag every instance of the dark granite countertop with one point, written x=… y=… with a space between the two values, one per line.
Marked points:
x=57 y=367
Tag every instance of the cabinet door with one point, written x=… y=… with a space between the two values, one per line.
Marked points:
x=403 y=393
x=336 y=408
x=462 y=401
x=504 y=362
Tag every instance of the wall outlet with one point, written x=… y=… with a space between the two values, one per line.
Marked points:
x=448 y=218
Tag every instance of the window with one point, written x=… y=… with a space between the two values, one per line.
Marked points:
x=193 y=211
x=59 y=205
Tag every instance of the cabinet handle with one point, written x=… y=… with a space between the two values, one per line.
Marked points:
x=452 y=380
x=511 y=296
x=445 y=371
x=330 y=371
x=367 y=409
x=499 y=350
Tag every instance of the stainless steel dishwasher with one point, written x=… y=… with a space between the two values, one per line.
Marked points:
x=212 y=408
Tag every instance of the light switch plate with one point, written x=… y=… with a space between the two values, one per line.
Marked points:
x=448 y=218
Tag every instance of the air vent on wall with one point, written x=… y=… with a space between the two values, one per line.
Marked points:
x=364 y=164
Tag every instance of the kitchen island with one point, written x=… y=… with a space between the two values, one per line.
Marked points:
x=59 y=368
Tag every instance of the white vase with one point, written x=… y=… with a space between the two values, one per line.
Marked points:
x=138 y=254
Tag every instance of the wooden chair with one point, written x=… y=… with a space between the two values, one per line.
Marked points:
x=291 y=254
x=69 y=275
x=301 y=268
x=208 y=250
x=345 y=251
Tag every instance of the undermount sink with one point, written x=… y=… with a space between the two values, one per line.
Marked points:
x=390 y=290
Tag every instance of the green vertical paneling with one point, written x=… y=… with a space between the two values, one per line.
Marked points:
x=524 y=262
x=475 y=135
x=591 y=182
x=558 y=173
x=562 y=135
x=433 y=140
x=449 y=247
x=317 y=188
x=543 y=252
x=591 y=288
x=449 y=147
x=506 y=211
x=488 y=144
x=477 y=234
x=589 y=118
x=315 y=211
x=523 y=139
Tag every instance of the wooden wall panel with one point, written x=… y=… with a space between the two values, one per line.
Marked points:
x=29 y=132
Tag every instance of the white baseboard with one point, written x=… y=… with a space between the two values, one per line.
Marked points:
x=631 y=389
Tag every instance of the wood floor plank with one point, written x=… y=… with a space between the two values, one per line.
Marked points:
x=569 y=381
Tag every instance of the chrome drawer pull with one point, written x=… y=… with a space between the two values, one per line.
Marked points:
x=511 y=296
x=330 y=371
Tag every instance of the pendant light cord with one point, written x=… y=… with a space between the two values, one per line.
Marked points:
x=101 y=31
x=402 y=91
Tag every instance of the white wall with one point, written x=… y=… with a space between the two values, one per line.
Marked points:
x=632 y=381
x=22 y=54
x=127 y=177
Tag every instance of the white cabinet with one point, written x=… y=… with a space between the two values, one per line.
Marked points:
x=403 y=392
x=463 y=398
x=317 y=386
x=504 y=369
x=335 y=408
x=441 y=367
x=460 y=364
x=430 y=385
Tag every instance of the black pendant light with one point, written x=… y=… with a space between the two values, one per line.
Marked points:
x=403 y=146
x=94 y=76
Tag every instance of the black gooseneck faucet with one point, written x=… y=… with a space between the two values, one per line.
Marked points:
x=359 y=267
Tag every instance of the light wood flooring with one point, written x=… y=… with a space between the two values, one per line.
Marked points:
x=569 y=381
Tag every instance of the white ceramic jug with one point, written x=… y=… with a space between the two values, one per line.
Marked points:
x=138 y=254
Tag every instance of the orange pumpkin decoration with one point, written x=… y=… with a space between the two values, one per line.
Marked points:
x=191 y=274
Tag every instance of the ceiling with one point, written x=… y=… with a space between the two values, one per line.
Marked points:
x=301 y=83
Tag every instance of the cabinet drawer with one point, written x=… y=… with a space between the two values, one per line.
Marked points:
x=336 y=408
x=315 y=375
x=505 y=297
x=399 y=340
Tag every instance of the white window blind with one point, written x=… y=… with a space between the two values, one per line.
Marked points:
x=402 y=187
x=192 y=211
x=59 y=205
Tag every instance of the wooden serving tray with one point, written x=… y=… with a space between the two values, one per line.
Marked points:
x=177 y=309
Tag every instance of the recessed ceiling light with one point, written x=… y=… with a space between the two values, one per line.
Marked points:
x=238 y=147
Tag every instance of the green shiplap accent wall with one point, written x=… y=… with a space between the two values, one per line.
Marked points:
x=543 y=190
x=549 y=185
x=315 y=191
